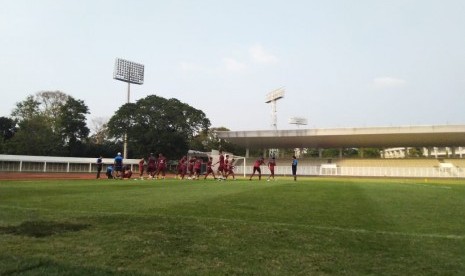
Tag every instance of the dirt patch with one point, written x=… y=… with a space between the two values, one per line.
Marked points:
x=41 y=228
x=27 y=175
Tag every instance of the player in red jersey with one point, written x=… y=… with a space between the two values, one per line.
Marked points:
x=230 y=169
x=271 y=165
x=181 y=168
x=151 y=166
x=209 y=168
x=197 y=168
x=226 y=165
x=220 y=170
x=127 y=173
x=190 y=167
x=256 y=168
x=161 y=165
x=141 y=168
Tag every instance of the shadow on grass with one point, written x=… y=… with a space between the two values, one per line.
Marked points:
x=20 y=265
x=40 y=228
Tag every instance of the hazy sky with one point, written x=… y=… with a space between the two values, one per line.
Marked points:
x=343 y=63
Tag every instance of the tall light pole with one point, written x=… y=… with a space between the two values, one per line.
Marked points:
x=130 y=72
x=299 y=121
x=272 y=97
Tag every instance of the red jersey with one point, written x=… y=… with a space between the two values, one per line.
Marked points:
x=258 y=162
x=198 y=164
x=161 y=162
x=182 y=163
x=221 y=160
x=191 y=164
x=151 y=163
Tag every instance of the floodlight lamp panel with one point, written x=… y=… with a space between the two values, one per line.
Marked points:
x=274 y=95
x=128 y=71
x=298 y=121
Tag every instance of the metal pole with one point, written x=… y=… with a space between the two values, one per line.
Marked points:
x=125 y=145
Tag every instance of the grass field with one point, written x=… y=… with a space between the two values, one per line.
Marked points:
x=314 y=226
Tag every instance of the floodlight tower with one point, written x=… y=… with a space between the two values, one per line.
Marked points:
x=272 y=97
x=130 y=72
x=299 y=121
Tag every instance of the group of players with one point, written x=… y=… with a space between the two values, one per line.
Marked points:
x=194 y=165
x=116 y=170
x=155 y=166
x=190 y=167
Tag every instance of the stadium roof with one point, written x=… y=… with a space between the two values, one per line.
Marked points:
x=370 y=137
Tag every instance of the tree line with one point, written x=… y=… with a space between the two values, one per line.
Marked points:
x=52 y=123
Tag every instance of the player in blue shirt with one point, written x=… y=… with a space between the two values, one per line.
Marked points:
x=118 y=165
x=294 y=167
x=110 y=172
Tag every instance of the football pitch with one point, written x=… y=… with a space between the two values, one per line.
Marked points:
x=315 y=226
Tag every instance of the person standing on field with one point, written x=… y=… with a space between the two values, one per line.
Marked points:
x=141 y=168
x=99 y=166
x=191 y=167
x=181 y=168
x=220 y=170
x=161 y=165
x=256 y=168
x=118 y=165
x=151 y=166
x=230 y=169
x=294 y=167
x=197 y=168
x=271 y=165
x=209 y=168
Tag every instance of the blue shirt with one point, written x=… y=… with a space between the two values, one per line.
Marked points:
x=118 y=160
x=294 y=162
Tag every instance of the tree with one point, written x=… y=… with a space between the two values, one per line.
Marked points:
x=208 y=140
x=50 y=104
x=72 y=121
x=159 y=125
x=50 y=116
x=370 y=153
x=26 y=109
x=34 y=137
x=7 y=130
x=415 y=152
x=99 y=130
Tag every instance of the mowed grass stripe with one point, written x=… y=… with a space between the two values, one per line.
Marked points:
x=307 y=203
x=244 y=222
x=313 y=226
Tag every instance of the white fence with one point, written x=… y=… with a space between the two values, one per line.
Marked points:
x=22 y=163
x=454 y=172
x=48 y=164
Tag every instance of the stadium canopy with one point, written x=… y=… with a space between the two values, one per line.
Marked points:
x=366 y=137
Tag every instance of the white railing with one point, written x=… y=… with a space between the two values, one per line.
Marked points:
x=25 y=163
x=454 y=172
x=50 y=164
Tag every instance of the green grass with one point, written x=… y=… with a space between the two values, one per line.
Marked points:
x=312 y=226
